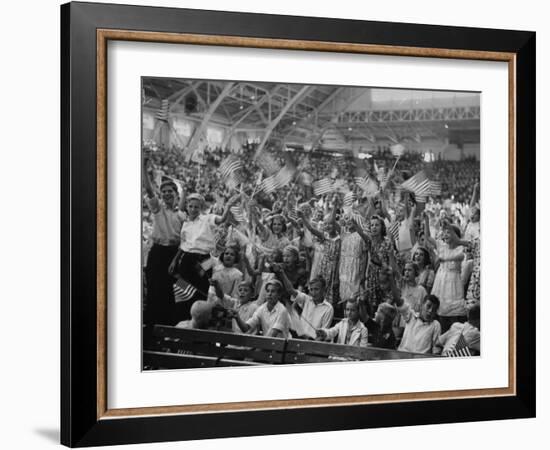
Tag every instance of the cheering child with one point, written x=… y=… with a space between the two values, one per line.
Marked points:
x=421 y=330
x=349 y=331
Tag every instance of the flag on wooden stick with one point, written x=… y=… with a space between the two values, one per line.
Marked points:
x=418 y=184
x=393 y=230
x=435 y=189
x=162 y=112
x=293 y=212
x=322 y=187
x=238 y=213
x=230 y=171
x=460 y=349
x=282 y=178
x=349 y=199
x=183 y=291
x=229 y=166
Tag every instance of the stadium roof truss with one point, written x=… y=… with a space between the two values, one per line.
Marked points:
x=308 y=113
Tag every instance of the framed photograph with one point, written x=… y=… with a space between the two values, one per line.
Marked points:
x=273 y=224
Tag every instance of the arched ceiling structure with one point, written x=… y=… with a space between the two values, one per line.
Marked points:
x=321 y=116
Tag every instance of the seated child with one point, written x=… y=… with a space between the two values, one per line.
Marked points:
x=349 y=331
x=469 y=330
x=243 y=304
x=381 y=327
x=201 y=314
x=412 y=293
x=421 y=330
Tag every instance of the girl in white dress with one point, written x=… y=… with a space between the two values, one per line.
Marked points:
x=353 y=260
x=448 y=285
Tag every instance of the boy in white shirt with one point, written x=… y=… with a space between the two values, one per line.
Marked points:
x=349 y=331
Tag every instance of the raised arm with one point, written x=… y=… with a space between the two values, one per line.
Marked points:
x=317 y=233
x=286 y=282
x=260 y=226
x=249 y=267
x=371 y=208
x=232 y=202
x=396 y=293
x=427 y=233
x=335 y=208
x=384 y=209
x=360 y=231
x=183 y=199
x=245 y=328
x=146 y=180
x=407 y=206
x=217 y=288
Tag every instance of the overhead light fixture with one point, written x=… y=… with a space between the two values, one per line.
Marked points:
x=241 y=106
x=294 y=123
x=446 y=126
x=350 y=129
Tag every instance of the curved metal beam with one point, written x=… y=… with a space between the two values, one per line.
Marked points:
x=274 y=122
x=191 y=146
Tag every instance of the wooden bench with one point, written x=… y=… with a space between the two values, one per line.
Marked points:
x=177 y=348
x=172 y=348
x=300 y=351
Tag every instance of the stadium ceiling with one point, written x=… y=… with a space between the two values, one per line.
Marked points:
x=313 y=115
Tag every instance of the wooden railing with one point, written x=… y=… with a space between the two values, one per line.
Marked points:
x=177 y=348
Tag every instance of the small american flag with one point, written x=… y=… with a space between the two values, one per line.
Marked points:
x=435 y=189
x=349 y=199
x=282 y=178
x=229 y=166
x=460 y=349
x=238 y=213
x=183 y=291
x=293 y=213
x=418 y=184
x=162 y=112
x=421 y=198
x=268 y=185
x=393 y=230
x=322 y=187
x=230 y=171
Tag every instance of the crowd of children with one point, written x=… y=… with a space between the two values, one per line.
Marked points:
x=382 y=269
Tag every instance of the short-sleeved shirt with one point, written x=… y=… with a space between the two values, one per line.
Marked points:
x=166 y=223
x=419 y=336
x=266 y=320
x=314 y=316
x=198 y=236
x=471 y=334
x=245 y=310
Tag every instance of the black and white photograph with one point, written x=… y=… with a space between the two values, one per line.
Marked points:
x=295 y=223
